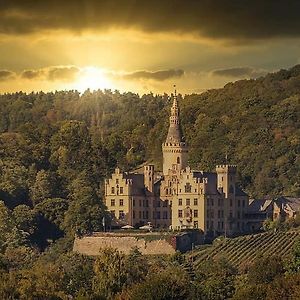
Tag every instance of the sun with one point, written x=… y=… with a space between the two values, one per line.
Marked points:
x=92 y=78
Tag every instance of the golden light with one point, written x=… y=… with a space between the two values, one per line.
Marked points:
x=92 y=78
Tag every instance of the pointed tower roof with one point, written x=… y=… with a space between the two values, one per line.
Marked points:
x=174 y=133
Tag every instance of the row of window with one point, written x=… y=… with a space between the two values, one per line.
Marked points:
x=142 y=215
x=210 y=202
x=220 y=225
x=113 y=202
x=145 y=215
x=187 y=202
x=211 y=214
x=119 y=190
x=180 y=213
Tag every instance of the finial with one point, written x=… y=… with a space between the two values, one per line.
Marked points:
x=175 y=92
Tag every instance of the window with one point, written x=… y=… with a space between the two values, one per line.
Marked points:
x=207 y=213
x=121 y=202
x=154 y=215
x=147 y=203
x=230 y=202
x=158 y=215
x=179 y=202
x=179 y=213
x=133 y=202
x=212 y=202
x=219 y=214
x=212 y=224
x=238 y=224
x=212 y=214
x=239 y=203
x=230 y=214
x=112 y=190
x=113 y=213
x=222 y=213
x=117 y=181
x=219 y=225
x=238 y=215
x=140 y=202
x=133 y=214
x=188 y=188
x=195 y=213
x=165 y=203
x=121 y=190
x=121 y=214
x=158 y=203
x=147 y=215
x=178 y=160
x=207 y=224
x=144 y=215
x=243 y=203
x=222 y=225
x=195 y=224
x=140 y=214
x=112 y=202
x=165 y=215
x=188 y=202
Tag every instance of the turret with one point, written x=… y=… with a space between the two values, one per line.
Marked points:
x=149 y=177
x=226 y=179
x=175 y=150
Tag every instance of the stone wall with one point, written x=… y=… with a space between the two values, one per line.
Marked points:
x=147 y=244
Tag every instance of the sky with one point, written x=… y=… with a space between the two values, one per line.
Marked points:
x=144 y=46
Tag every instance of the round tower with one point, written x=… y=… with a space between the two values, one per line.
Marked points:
x=175 y=150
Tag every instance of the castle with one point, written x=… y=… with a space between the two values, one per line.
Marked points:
x=179 y=197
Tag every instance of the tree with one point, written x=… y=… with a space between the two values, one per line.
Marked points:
x=265 y=269
x=25 y=219
x=293 y=265
x=86 y=210
x=44 y=187
x=171 y=283
x=111 y=273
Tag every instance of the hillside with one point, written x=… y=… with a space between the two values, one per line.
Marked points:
x=243 y=251
x=256 y=122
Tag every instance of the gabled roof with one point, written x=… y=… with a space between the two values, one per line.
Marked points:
x=259 y=205
x=293 y=202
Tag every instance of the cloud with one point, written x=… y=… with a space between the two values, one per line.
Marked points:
x=6 y=75
x=51 y=73
x=64 y=73
x=239 y=72
x=225 y=19
x=32 y=74
x=153 y=75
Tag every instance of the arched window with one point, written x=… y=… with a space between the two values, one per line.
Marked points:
x=178 y=160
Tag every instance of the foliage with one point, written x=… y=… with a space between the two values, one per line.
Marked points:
x=265 y=269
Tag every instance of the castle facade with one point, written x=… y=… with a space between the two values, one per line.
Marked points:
x=178 y=197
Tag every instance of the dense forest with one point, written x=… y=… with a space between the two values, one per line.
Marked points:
x=56 y=149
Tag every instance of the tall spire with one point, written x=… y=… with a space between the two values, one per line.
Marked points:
x=174 y=133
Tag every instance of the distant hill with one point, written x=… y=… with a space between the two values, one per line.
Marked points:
x=242 y=251
x=256 y=123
